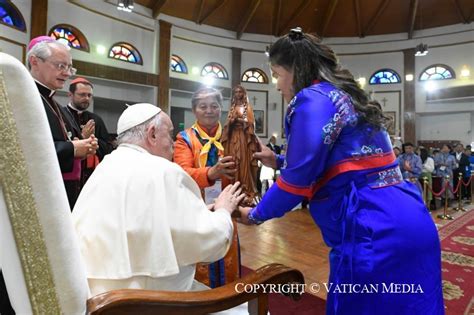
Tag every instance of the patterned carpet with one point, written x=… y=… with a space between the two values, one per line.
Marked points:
x=457 y=255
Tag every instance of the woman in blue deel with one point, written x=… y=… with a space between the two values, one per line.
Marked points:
x=385 y=251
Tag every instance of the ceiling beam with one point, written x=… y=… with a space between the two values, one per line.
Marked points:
x=213 y=10
x=198 y=10
x=297 y=12
x=459 y=11
x=412 y=18
x=157 y=7
x=377 y=15
x=357 y=17
x=276 y=17
x=247 y=18
x=328 y=17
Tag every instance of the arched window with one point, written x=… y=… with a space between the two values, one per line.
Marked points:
x=69 y=35
x=215 y=70
x=437 y=72
x=125 y=52
x=254 y=75
x=178 y=64
x=11 y=16
x=385 y=76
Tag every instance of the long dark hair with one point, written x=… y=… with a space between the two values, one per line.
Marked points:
x=310 y=60
x=423 y=154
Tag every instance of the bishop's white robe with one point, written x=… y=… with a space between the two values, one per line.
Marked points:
x=141 y=223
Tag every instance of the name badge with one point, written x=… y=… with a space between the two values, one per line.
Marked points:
x=211 y=193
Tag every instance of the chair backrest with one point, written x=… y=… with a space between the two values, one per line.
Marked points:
x=39 y=252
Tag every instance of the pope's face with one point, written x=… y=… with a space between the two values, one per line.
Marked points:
x=164 y=144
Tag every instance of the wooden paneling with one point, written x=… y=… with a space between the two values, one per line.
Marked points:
x=118 y=74
x=39 y=18
x=164 y=64
x=409 y=134
x=456 y=92
x=236 y=65
x=372 y=17
x=191 y=86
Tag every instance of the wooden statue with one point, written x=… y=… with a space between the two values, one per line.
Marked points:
x=240 y=142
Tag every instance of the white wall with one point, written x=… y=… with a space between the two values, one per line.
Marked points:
x=446 y=126
x=106 y=31
x=200 y=44
x=13 y=34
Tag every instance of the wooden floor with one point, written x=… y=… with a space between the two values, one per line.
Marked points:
x=295 y=241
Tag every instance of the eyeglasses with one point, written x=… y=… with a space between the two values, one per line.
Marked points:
x=60 y=66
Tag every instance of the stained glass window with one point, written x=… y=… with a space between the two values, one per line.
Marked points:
x=125 y=52
x=385 y=76
x=11 y=16
x=69 y=35
x=437 y=72
x=215 y=70
x=178 y=64
x=254 y=75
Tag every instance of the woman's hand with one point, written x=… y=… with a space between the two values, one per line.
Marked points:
x=244 y=213
x=266 y=156
x=229 y=198
x=224 y=167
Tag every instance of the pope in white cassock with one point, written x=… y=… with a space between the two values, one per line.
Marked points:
x=140 y=219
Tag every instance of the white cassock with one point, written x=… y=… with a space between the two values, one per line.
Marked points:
x=141 y=223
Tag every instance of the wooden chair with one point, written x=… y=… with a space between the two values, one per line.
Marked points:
x=39 y=253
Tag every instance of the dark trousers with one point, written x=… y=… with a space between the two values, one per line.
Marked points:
x=5 y=306
x=73 y=188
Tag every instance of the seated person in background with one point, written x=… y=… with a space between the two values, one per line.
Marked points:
x=410 y=163
x=140 y=219
x=397 y=151
x=273 y=146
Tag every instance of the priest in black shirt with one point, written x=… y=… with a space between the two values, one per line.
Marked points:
x=81 y=95
x=50 y=64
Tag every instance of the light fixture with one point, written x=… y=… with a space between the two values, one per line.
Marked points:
x=421 y=50
x=430 y=86
x=409 y=77
x=208 y=80
x=101 y=49
x=125 y=5
x=362 y=81
x=465 y=72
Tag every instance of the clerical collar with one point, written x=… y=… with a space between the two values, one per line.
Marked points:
x=46 y=90
x=75 y=109
x=134 y=147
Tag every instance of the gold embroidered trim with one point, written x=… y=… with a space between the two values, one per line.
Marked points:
x=21 y=207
